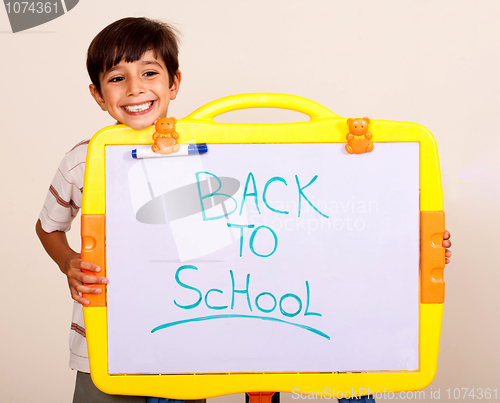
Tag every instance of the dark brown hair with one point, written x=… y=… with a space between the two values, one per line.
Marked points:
x=128 y=39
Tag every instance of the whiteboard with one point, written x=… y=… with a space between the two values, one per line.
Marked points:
x=303 y=258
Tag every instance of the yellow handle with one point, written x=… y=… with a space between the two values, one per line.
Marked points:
x=261 y=100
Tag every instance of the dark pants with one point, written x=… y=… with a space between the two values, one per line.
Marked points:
x=86 y=392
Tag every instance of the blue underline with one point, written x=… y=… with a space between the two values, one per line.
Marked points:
x=228 y=316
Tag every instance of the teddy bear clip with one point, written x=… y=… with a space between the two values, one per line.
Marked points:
x=165 y=136
x=358 y=138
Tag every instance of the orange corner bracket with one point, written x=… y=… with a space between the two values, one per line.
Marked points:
x=93 y=233
x=431 y=257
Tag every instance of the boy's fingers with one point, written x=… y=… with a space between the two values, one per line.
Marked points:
x=446 y=243
x=84 y=265
x=85 y=289
x=78 y=298
x=88 y=279
x=447 y=253
x=446 y=235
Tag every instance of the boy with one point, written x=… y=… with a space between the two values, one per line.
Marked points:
x=133 y=66
x=134 y=69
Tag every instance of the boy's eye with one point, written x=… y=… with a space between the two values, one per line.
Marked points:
x=116 y=79
x=150 y=73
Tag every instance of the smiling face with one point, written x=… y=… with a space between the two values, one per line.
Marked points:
x=137 y=93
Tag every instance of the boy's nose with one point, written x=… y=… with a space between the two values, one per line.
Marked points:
x=135 y=87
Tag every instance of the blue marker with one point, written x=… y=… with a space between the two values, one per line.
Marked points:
x=186 y=149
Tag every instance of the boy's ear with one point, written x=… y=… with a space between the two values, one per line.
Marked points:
x=174 y=88
x=98 y=98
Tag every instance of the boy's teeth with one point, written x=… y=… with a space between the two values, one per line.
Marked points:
x=138 y=108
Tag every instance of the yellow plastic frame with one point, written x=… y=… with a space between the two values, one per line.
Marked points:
x=324 y=127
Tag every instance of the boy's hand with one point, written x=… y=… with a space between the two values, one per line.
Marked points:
x=71 y=264
x=446 y=244
x=79 y=281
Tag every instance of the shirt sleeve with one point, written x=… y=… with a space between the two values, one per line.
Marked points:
x=64 y=197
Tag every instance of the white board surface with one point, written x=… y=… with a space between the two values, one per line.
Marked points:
x=317 y=271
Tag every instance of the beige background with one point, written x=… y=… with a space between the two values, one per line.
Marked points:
x=432 y=62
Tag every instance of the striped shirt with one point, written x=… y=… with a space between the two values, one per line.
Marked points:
x=61 y=206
